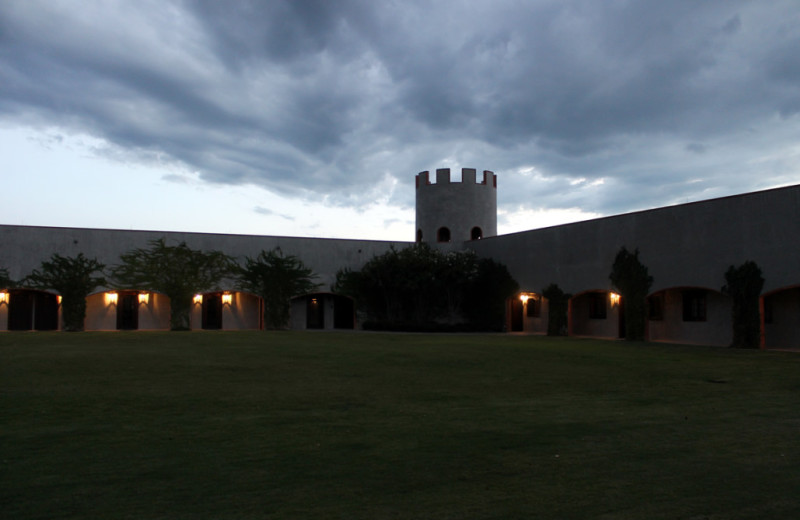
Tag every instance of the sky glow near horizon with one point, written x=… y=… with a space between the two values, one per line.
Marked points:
x=311 y=118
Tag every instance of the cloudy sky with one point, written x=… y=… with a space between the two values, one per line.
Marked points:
x=311 y=118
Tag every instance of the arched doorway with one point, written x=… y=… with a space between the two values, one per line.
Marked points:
x=322 y=311
x=128 y=310
x=694 y=315
x=227 y=310
x=315 y=313
x=596 y=313
x=32 y=310
x=212 y=311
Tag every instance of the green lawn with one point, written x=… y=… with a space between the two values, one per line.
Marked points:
x=357 y=425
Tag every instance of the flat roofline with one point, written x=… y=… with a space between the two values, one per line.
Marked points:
x=660 y=208
x=242 y=235
x=607 y=217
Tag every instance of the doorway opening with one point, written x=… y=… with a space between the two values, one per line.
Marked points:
x=212 y=311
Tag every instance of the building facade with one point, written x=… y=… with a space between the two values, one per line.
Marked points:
x=687 y=249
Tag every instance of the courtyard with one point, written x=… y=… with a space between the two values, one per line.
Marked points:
x=366 y=425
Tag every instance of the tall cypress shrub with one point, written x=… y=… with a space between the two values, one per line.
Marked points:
x=630 y=277
x=558 y=306
x=744 y=285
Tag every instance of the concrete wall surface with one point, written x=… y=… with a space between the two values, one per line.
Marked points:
x=102 y=315
x=26 y=246
x=686 y=245
x=243 y=313
x=582 y=323
x=715 y=329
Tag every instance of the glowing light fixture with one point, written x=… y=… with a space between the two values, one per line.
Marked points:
x=227 y=298
x=198 y=298
x=524 y=298
x=111 y=298
x=144 y=298
x=614 y=298
x=58 y=299
x=3 y=297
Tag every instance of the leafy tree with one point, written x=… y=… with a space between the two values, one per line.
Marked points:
x=176 y=271
x=368 y=297
x=487 y=294
x=410 y=282
x=457 y=273
x=430 y=285
x=72 y=277
x=276 y=278
x=396 y=286
x=422 y=288
x=744 y=285
x=630 y=277
x=5 y=281
x=381 y=278
x=557 y=313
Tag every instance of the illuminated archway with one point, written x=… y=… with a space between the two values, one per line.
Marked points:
x=30 y=309
x=596 y=313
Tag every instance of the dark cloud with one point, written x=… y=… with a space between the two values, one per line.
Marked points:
x=283 y=31
x=615 y=105
x=268 y=212
x=696 y=147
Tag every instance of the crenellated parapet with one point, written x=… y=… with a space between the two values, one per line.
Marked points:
x=468 y=176
x=456 y=211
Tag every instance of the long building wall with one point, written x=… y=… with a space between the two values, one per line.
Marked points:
x=24 y=247
x=690 y=245
x=685 y=247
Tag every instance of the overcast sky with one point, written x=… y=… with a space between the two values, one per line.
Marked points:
x=311 y=118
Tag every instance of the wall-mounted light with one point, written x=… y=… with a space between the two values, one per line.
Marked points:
x=524 y=298
x=614 y=298
x=58 y=299
x=227 y=298
x=3 y=297
x=198 y=298
x=144 y=298
x=111 y=298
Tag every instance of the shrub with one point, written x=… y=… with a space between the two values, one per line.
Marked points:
x=73 y=278
x=743 y=285
x=630 y=277
x=558 y=305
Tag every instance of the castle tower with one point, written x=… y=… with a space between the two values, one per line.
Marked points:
x=456 y=211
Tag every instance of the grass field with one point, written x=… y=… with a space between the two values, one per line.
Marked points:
x=370 y=426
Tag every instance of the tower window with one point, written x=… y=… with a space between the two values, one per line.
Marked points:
x=476 y=233
x=443 y=235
